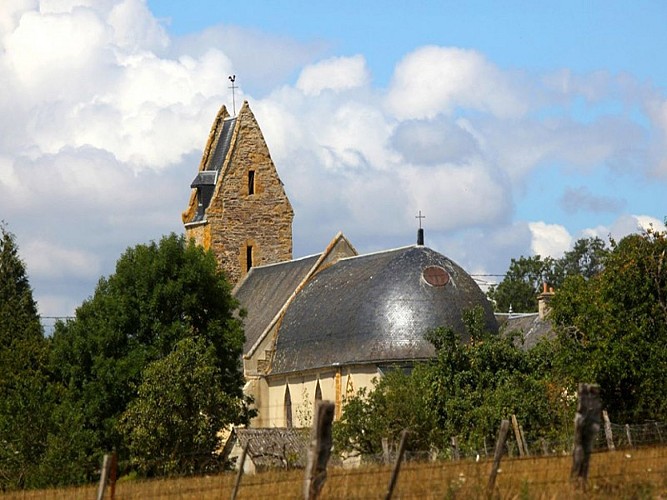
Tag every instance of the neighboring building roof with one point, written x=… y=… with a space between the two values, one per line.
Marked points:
x=531 y=327
x=264 y=291
x=273 y=447
x=374 y=307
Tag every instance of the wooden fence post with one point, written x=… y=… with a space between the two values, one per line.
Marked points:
x=524 y=442
x=586 y=427
x=385 y=450
x=517 y=435
x=104 y=474
x=627 y=433
x=113 y=476
x=607 y=431
x=500 y=445
x=320 y=449
x=456 y=455
x=241 y=464
x=397 y=465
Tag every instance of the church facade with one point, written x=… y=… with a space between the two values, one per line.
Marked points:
x=321 y=326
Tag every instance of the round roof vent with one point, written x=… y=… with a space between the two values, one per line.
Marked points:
x=435 y=276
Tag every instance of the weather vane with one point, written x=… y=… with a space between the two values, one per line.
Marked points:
x=233 y=87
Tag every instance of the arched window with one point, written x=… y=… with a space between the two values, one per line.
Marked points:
x=318 y=392
x=288 y=407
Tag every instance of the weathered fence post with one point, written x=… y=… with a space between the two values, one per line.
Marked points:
x=586 y=427
x=524 y=442
x=104 y=474
x=657 y=428
x=114 y=475
x=241 y=464
x=545 y=447
x=385 y=450
x=517 y=436
x=607 y=431
x=320 y=449
x=627 y=433
x=456 y=455
x=500 y=445
x=397 y=465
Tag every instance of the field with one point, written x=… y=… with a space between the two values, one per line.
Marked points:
x=636 y=473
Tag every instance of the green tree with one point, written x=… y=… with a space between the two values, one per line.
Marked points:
x=465 y=392
x=173 y=424
x=397 y=401
x=526 y=275
x=586 y=259
x=523 y=281
x=160 y=294
x=612 y=328
x=24 y=395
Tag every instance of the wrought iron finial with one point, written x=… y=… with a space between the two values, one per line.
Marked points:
x=232 y=79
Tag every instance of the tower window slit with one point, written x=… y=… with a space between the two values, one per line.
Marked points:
x=248 y=257
x=251 y=182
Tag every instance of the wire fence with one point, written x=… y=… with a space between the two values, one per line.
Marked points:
x=636 y=468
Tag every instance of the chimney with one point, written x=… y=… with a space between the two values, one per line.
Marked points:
x=543 y=301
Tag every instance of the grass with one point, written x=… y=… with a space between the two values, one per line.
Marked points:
x=631 y=474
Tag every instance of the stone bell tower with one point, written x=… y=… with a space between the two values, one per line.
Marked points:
x=238 y=207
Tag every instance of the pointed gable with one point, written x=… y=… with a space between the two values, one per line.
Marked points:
x=238 y=207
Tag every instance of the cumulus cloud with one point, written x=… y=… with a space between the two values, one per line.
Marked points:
x=549 y=240
x=336 y=74
x=105 y=115
x=433 y=80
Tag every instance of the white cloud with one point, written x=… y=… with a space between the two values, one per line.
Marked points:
x=46 y=260
x=549 y=240
x=433 y=80
x=336 y=74
x=105 y=115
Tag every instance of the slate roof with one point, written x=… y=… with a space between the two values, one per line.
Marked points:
x=275 y=447
x=264 y=291
x=530 y=326
x=374 y=307
x=206 y=179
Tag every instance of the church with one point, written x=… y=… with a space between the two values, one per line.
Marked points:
x=319 y=326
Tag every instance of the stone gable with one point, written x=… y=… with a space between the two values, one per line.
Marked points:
x=248 y=221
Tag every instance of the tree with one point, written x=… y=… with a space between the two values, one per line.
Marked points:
x=612 y=328
x=523 y=281
x=465 y=391
x=159 y=294
x=174 y=422
x=526 y=275
x=586 y=259
x=24 y=395
x=397 y=401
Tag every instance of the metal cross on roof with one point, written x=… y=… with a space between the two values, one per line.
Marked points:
x=420 y=217
x=232 y=79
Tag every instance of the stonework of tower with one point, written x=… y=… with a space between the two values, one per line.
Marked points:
x=238 y=207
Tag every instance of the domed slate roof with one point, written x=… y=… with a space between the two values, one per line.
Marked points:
x=375 y=308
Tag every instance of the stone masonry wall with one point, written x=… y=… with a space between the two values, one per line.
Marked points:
x=238 y=219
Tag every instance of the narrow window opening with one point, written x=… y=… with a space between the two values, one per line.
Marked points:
x=248 y=257
x=288 y=407
x=318 y=392
x=251 y=182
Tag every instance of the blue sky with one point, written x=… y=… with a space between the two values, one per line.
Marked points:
x=516 y=127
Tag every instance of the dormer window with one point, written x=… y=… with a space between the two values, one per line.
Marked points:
x=251 y=182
